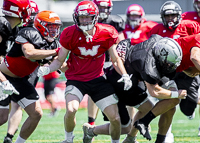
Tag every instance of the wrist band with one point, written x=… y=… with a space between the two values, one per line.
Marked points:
x=174 y=94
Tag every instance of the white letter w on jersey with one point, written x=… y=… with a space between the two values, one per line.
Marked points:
x=134 y=35
x=91 y=52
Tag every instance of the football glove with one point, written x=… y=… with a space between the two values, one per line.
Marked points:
x=43 y=71
x=127 y=81
x=8 y=88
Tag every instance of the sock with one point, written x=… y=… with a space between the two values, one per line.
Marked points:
x=91 y=120
x=148 y=118
x=9 y=135
x=115 y=141
x=160 y=138
x=69 y=135
x=20 y=140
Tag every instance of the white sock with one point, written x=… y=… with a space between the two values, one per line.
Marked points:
x=68 y=135
x=20 y=140
x=115 y=141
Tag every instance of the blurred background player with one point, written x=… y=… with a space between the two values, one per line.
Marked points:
x=195 y=16
x=174 y=27
x=137 y=28
x=50 y=82
x=105 y=17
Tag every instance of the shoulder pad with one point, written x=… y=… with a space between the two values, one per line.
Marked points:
x=32 y=36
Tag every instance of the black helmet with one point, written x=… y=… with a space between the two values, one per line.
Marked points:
x=171 y=7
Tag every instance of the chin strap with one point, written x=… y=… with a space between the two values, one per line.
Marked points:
x=88 y=37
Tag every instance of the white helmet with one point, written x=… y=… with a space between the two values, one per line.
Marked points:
x=168 y=54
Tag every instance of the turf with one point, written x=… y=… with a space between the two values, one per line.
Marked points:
x=51 y=130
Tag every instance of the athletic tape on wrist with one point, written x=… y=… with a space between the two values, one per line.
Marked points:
x=174 y=94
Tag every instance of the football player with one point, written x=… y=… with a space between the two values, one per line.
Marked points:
x=105 y=17
x=194 y=16
x=137 y=28
x=161 y=60
x=33 y=46
x=85 y=68
x=173 y=26
x=15 y=13
x=15 y=114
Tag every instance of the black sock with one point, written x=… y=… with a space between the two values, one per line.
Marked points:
x=9 y=135
x=91 y=120
x=148 y=118
x=160 y=138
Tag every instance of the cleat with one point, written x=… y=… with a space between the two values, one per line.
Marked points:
x=130 y=139
x=68 y=140
x=191 y=117
x=88 y=133
x=55 y=113
x=7 y=140
x=143 y=129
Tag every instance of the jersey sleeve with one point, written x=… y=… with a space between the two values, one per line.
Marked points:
x=114 y=36
x=193 y=27
x=154 y=30
x=65 y=38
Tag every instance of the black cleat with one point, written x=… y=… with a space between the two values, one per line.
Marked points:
x=143 y=129
x=7 y=140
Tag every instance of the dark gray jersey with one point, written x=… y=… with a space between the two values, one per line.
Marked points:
x=140 y=61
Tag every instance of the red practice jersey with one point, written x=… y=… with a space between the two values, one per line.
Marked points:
x=86 y=59
x=191 y=15
x=140 y=33
x=185 y=28
x=186 y=44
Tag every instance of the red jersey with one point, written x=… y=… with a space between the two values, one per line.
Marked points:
x=186 y=44
x=51 y=75
x=86 y=59
x=185 y=28
x=20 y=66
x=140 y=33
x=191 y=15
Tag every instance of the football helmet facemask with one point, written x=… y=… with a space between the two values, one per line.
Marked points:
x=171 y=8
x=134 y=9
x=168 y=55
x=48 y=24
x=17 y=8
x=86 y=8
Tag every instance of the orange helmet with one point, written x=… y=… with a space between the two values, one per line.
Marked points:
x=48 y=24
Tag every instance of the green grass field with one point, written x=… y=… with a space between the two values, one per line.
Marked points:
x=51 y=130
